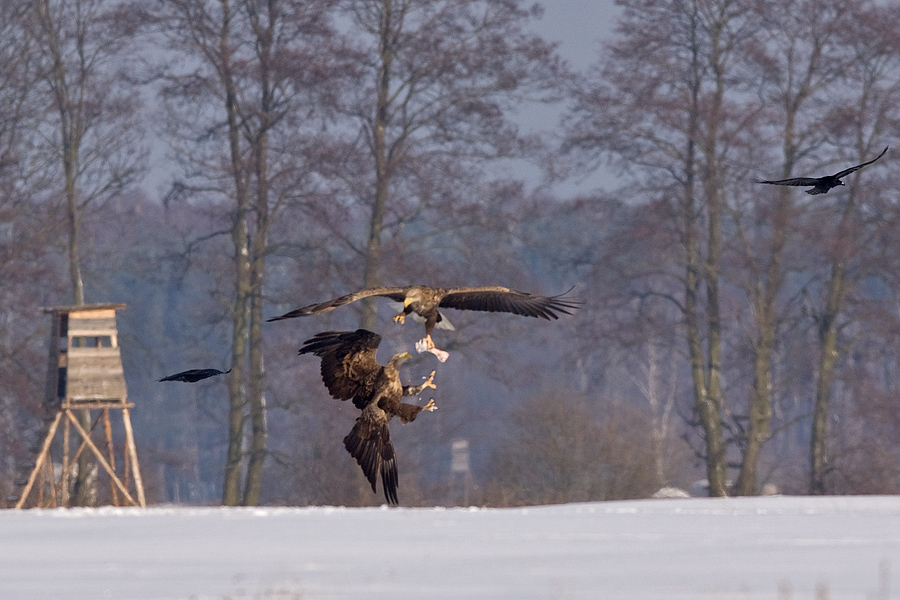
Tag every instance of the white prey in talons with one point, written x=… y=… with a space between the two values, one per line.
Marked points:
x=426 y=345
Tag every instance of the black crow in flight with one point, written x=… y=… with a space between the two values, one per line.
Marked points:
x=194 y=375
x=821 y=185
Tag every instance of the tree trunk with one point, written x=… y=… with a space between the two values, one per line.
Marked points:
x=707 y=398
x=371 y=275
x=74 y=227
x=257 y=403
x=231 y=488
x=70 y=139
x=761 y=394
x=705 y=367
x=718 y=483
x=760 y=405
x=828 y=353
x=765 y=305
x=256 y=376
x=82 y=488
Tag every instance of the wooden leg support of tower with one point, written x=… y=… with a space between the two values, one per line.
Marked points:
x=59 y=488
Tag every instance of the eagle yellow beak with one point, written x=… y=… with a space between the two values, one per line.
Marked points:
x=407 y=302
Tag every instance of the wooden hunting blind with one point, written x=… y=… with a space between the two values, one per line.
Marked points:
x=84 y=376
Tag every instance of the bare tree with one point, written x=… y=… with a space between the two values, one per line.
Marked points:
x=90 y=129
x=683 y=98
x=28 y=228
x=661 y=106
x=440 y=81
x=852 y=237
x=256 y=73
x=660 y=395
x=797 y=59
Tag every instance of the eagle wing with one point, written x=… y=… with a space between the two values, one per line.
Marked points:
x=369 y=442
x=846 y=172
x=798 y=181
x=394 y=293
x=501 y=299
x=349 y=369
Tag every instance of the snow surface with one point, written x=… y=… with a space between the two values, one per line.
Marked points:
x=776 y=548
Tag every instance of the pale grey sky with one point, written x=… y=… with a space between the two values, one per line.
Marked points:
x=579 y=26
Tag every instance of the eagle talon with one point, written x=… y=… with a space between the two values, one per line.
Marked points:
x=431 y=406
x=425 y=344
x=401 y=318
x=429 y=383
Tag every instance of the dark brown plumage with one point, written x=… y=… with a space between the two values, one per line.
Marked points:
x=194 y=375
x=425 y=302
x=350 y=372
x=821 y=185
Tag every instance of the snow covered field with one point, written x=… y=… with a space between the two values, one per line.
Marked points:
x=743 y=548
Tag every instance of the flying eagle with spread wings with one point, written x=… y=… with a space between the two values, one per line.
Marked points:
x=821 y=185
x=350 y=372
x=425 y=301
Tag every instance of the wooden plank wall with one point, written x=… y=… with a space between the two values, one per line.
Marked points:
x=94 y=373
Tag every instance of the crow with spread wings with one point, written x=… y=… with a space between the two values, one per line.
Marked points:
x=195 y=375
x=821 y=185
x=350 y=372
x=425 y=302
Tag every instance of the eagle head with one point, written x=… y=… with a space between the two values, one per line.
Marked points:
x=415 y=295
x=400 y=358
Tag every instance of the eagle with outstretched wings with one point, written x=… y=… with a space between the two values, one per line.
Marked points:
x=425 y=301
x=351 y=372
